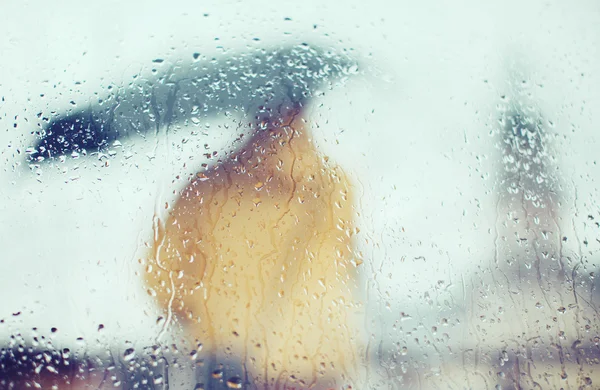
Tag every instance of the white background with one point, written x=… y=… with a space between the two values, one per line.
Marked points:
x=413 y=129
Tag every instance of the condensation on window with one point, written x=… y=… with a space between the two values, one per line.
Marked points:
x=258 y=195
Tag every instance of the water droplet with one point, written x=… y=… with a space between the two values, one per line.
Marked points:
x=234 y=382
x=217 y=374
x=129 y=354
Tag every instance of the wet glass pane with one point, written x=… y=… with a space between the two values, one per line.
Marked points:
x=263 y=195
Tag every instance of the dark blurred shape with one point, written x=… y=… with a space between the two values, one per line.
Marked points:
x=26 y=368
x=262 y=84
x=75 y=132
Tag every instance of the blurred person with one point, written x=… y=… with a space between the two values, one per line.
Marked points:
x=256 y=256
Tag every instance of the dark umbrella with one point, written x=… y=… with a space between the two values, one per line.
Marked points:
x=261 y=84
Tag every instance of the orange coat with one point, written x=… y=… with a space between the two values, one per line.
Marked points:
x=256 y=258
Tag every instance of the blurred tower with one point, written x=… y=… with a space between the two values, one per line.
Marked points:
x=528 y=320
x=529 y=241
